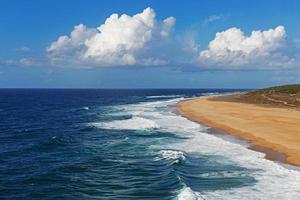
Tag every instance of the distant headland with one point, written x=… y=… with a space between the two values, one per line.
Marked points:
x=287 y=96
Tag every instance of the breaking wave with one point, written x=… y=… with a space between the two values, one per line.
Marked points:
x=269 y=175
x=176 y=156
x=188 y=194
x=135 y=123
x=163 y=96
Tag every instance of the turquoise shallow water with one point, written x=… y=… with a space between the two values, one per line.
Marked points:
x=124 y=144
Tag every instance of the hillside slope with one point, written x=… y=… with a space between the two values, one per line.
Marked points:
x=279 y=96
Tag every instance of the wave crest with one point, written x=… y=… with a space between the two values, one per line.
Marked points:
x=177 y=156
x=188 y=194
x=135 y=123
x=163 y=96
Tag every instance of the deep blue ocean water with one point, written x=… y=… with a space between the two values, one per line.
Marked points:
x=123 y=144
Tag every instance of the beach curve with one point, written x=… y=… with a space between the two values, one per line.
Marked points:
x=267 y=127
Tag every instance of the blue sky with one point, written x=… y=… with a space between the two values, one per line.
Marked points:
x=173 y=44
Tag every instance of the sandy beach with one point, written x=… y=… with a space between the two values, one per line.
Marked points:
x=265 y=127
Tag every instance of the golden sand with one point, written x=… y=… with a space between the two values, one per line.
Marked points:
x=275 y=128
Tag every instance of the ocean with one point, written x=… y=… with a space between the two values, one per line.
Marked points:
x=125 y=144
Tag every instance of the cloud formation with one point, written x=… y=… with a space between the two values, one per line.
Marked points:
x=121 y=40
x=212 y=18
x=23 y=62
x=22 y=49
x=232 y=49
x=143 y=40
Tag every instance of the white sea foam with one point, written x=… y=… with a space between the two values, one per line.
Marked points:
x=177 y=156
x=85 y=108
x=188 y=194
x=210 y=93
x=223 y=174
x=135 y=123
x=273 y=180
x=163 y=96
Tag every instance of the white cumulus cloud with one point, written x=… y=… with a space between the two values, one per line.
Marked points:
x=121 y=40
x=233 y=49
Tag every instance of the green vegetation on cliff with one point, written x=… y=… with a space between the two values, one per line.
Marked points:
x=288 y=89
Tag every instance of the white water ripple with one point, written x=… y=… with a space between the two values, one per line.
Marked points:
x=176 y=156
x=273 y=181
x=135 y=123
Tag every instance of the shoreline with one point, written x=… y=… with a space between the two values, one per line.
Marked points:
x=270 y=154
x=272 y=149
